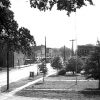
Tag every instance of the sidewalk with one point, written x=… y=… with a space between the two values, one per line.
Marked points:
x=11 y=96
x=17 y=73
x=54 y=86
x=15 y=67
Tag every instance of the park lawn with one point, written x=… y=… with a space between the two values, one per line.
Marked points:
x=19 y=83
x=52 y=88
x=67 y=77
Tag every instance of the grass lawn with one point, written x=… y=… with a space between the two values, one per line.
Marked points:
x=19 y=83
x=59 y=87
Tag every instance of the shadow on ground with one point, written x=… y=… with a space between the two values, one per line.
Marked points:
x=88 y=92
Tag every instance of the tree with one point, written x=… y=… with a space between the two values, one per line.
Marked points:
x=13 y=38
x=92 y=66
x=25 y=39
x=65 y=52
x=74 y=65
x=56 y=63
x=43 y=69
x=67 y=5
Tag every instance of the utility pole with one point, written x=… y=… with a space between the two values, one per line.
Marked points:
x=45 y=61
x=72 y=46
x=64 y=55
x=41 y=52
x=8 y=66
x=45 y=50
x=76 y=58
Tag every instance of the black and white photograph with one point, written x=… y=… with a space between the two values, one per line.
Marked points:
x=49 y=50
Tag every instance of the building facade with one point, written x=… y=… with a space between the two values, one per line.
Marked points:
x=84 y=50
x=15 y=58
x=40 y=52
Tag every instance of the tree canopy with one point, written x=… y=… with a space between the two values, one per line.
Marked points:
x=92 y=66
x=15 y=37
x=67 y=5
x=65 y=52
x=56 y=63
x=74 y=65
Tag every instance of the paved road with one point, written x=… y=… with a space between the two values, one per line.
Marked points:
x=17 y=74
x=11 y=96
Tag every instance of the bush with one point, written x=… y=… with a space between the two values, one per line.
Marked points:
x=42 y=68
x=56 y=63
x=62 y=72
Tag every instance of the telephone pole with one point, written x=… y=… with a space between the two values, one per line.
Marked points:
x=72 y=46
x=64 y=55
x=76 y=57
x=45 y=50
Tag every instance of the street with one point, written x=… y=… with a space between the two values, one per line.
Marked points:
x=17 y=74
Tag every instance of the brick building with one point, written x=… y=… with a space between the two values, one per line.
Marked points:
x=84 y=50
x=40 y=52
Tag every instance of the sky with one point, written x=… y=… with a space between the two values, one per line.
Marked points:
x=59 y=29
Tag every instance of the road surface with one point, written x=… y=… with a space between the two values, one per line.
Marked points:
x=17 y=74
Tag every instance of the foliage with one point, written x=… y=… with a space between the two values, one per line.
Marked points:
x=43 y=68
x=16 y=39
x=56 y=63
x=56 y=52
x=25 y=40
x=67 y=5
x=65 y=52
x=92 y=66
x=62 y=72
x=74 y=64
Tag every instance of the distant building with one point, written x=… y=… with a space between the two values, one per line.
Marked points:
x=84 y=50
x=40 y=52
x=15 y=58
x=19 y=58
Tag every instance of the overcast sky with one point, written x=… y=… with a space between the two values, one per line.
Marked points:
x=58 y=28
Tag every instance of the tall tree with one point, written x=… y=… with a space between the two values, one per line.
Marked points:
x=67 y=5
x=74 y=65
x=43 y=69
x=56 y=63
x=10 y=35
x=25 y=39
x=65 y=52
x=92 y=66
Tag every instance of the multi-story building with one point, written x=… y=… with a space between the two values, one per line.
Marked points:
x=40 y=52
x=84 y=50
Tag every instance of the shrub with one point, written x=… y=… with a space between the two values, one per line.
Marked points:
x=56 y=63
x=62 y=72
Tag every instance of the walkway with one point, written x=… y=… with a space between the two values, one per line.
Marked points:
x=11 y=96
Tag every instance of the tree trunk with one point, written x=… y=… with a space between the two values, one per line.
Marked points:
x=99 y=84
x=43 y=77
x=7 y=70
